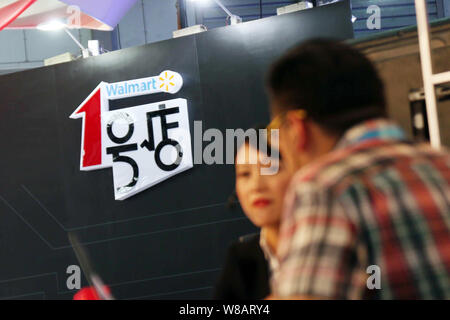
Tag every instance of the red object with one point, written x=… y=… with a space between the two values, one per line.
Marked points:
x=11 y=12
x=92 y=135
x=261 y=202
x=89 y=293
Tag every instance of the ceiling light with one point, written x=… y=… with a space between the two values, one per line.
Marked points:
x=52 y=25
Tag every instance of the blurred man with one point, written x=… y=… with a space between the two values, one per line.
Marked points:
x=367 y=214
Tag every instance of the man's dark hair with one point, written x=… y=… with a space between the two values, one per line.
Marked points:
x=336 y=85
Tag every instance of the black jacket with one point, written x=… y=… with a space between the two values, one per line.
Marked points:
x=246 y=274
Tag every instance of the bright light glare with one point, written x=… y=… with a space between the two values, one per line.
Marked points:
x=52 y=25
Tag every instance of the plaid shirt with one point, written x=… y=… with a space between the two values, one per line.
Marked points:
x=375 y=200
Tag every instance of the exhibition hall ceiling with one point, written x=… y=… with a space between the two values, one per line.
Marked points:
x=29 y=14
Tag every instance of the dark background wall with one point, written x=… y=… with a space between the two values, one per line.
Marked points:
x=394 y=13
x=168 y=241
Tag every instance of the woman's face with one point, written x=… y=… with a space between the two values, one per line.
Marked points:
x=260 y=195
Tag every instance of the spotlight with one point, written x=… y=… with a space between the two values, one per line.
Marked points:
x=52 y=25
x=55 y=25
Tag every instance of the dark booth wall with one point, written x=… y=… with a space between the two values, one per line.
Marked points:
x=169 y=241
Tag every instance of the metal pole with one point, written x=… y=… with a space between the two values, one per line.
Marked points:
x=223 y=8
x=74 y=39
x=423 y=29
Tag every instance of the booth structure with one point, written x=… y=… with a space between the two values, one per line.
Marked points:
x=153 y=229
x=167 y=240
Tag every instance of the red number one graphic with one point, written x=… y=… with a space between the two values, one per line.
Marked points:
x=91 y=143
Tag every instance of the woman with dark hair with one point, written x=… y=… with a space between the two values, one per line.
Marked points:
x=261 y=181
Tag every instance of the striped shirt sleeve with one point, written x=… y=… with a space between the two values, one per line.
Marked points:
x=318 y=244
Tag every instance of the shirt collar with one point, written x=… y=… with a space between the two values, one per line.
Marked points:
x=376 y=129
x=268 y=253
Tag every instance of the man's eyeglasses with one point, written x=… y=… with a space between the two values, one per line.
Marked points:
x=277 y=122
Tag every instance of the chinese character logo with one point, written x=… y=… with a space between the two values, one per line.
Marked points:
x=145 y=144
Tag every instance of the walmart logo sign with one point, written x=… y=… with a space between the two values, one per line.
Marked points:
x=168 y=81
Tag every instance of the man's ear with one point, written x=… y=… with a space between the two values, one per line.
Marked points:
x=297 y=130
